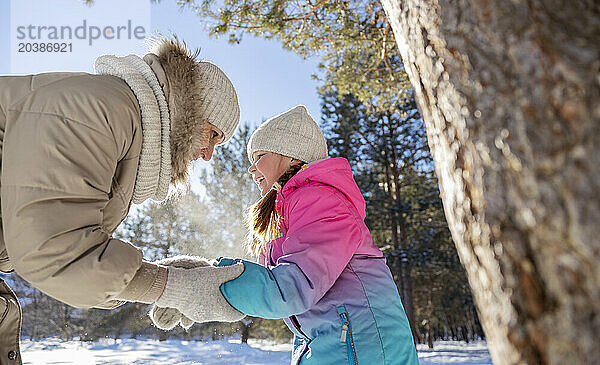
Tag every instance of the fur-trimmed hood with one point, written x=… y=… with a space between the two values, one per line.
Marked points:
x=176 y=69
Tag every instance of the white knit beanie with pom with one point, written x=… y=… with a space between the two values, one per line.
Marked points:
x=293 y=133
x=218 y=99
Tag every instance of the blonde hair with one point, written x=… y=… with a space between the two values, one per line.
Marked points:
x=262 y=219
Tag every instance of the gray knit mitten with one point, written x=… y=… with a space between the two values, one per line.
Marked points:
x=168 y=318
x=195 y=293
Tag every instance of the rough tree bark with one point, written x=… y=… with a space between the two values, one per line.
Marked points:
x=510 y=95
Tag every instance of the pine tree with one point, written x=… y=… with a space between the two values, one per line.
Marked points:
x=352 y=39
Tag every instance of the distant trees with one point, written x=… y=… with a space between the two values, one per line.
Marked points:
x=48 y=316
x=388 y=152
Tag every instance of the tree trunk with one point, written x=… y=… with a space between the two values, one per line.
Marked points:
x=399 y=240
x=429 y=338
x=66 y=321
x=245 y=332
x=464 y=334
x=34 y=315
x=509 y=92
x=163 y=335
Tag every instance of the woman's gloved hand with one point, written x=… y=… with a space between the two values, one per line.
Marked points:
x=195 y=293
x=168 y=318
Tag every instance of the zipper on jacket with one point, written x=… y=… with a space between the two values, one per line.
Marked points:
x=344 y=332
x=346 y=335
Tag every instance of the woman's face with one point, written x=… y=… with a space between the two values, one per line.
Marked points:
x=267 y=168
x=204 y=143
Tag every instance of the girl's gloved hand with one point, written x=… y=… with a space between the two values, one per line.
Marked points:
x=195 y=293
x=168 y=318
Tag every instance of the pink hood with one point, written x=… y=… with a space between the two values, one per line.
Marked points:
x=321 y=210
x=334 y=172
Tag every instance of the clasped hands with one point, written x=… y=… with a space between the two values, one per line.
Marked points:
x=192 y=293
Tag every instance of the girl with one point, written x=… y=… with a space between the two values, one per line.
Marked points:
x=319 y=269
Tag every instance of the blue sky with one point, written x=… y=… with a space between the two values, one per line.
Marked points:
x=268 y=79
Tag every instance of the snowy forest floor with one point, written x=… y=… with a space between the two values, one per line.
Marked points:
x=230 y=352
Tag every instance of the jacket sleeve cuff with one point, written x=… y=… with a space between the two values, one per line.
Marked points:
x=147 y=285
x=267 y=293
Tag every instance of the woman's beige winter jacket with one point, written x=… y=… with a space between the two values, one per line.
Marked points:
x=70 y=151
x=70 y=145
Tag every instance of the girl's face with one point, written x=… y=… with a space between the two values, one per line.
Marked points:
x=267 y=168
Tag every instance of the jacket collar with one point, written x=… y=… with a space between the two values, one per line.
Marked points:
x=176 y=69
x=154 y=167
x=333 y=172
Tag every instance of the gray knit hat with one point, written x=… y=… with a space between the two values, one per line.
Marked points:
x=219 y=102
x=293 y=133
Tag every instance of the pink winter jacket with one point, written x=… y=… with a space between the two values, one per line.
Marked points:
x=325 y=277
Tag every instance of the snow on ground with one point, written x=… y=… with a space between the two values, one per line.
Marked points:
x=454 y=352
x=230 y=352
